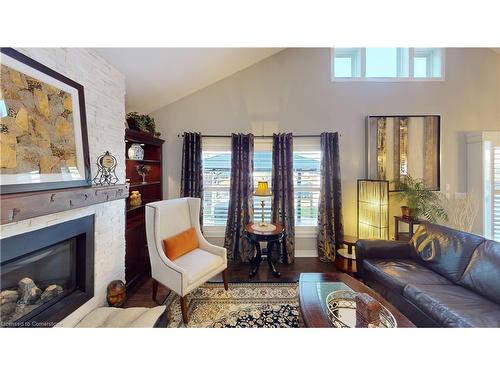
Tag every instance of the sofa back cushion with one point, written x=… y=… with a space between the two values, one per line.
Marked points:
x=444 y=250
x=482 y=275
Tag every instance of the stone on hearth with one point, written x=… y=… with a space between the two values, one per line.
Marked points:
x=50 y=292
x=28 y=291
x=7 y=296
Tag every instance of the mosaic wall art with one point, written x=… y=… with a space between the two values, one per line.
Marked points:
x=42 y=127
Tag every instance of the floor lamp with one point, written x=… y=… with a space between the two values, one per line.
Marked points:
x=373 y=209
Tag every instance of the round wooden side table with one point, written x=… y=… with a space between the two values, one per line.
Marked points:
x=274 y=238
x=347 y=257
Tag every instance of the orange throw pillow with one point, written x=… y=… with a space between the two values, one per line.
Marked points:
x=180 y=244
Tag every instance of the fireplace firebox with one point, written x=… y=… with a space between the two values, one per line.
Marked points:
x=46 y=274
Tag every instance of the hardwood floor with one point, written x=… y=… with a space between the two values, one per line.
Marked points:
x=141 y=295
x=236 y=272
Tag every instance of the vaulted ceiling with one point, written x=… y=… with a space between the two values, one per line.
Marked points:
x=156 y=77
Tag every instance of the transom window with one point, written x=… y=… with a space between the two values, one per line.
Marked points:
x=405 y=64
x=427 y=62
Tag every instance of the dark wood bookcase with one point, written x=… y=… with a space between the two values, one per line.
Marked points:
x=136 y=251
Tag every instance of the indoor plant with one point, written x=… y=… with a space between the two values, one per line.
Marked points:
x=144 y=123
x=420 y=203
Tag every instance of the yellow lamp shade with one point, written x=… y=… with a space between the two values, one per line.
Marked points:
x=262 y=189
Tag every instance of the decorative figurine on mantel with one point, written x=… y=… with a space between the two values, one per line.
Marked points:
x=106 y=165
x=143 y=171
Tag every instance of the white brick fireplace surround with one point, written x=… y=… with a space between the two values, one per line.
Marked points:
x=105 y=106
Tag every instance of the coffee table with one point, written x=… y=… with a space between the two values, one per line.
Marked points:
x=315 y=287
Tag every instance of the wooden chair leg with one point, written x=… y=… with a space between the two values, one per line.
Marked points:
x=155 y=289
x=224 y=277
x=184 y=309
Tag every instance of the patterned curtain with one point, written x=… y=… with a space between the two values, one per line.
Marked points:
x=240 y=211
x=192 y=169
x=282 y=208
x=331 y=230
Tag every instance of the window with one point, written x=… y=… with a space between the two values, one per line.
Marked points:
x=496 y=194
x=306 y=180
x=386 y=62
x=262 y=170
x=347 y=62
x=216 y=159
x=217 y=172
x=427 y=62
x=405 y=64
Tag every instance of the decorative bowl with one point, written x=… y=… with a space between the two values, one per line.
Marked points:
x=342 y=311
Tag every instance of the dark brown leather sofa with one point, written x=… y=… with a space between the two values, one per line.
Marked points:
x=441 y=278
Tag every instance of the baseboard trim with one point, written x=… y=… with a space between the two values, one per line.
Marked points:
x=306 y=253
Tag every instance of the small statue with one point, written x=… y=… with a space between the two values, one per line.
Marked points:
x=116 y=293
x=143 y=171
x=135 y=198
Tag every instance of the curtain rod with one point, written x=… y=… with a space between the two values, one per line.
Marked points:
x=256 y=136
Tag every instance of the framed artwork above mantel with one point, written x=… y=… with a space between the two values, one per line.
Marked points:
x=43 y=128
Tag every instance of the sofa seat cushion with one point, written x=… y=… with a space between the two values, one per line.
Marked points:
x=113 y=317
x=453 y=305
x=198 y=263
x=397 y=273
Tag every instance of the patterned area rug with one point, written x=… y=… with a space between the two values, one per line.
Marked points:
x=267 y=305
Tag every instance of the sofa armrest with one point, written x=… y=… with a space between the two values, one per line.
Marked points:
x=381 y=249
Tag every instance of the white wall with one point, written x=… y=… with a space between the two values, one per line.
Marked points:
x=293 y=90
x=105 y=106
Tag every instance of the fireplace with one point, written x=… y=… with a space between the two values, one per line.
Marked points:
x=46 y=274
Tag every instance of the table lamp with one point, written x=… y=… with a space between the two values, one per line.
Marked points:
x=262 y=191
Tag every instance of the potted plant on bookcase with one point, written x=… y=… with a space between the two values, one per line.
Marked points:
x=420 y=203
x=143 y=123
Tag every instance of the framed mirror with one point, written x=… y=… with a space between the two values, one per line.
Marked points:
x=398 y=146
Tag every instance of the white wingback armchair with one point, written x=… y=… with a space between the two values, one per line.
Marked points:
x=168 y=218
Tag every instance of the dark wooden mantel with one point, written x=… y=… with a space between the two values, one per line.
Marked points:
x=22 y=206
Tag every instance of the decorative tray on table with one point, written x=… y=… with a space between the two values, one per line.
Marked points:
x=342 y=311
